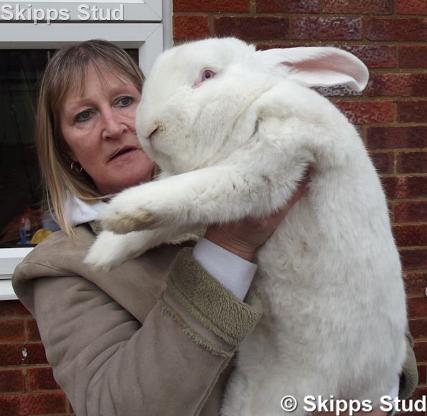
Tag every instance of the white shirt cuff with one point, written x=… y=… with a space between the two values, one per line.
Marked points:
x=233 y=272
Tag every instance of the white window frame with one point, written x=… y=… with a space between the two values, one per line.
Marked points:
x=147 y=37
x=150 y=38
x=133 y=10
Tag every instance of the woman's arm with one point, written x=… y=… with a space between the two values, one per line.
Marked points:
x=107 y=363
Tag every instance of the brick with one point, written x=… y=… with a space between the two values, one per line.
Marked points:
x=383 y=162
x=374 y=56
x=10 y=354
x=418 y=7
x=269 y=45
x=396 y=29
x=358 y=6
x=418 y=328
x=252 y=28
x=410 y=211
x=362 y=112
x=415 y=283
x=337 y=91
x=422 y=372
x=211 y=6
x=412 y=111
x=417 y=307
x=412 y=56
x=419 y=394
x=43 y=403
x=10 y=405
x=11 y=381
x=325 y=28
x=413 y=162
x=34 y=404
x=410 y=235
x=35 y=354
x=396 y=137
x=405 y=187
x=413 y=258
x=41 y=379
x=16 y=354
x=420 y=349
x=288 y=6
x=12 y=330
x=9 y=308
x=32 y=331
x=190 y=27
x=400 y=84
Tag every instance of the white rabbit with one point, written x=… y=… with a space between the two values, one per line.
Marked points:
x=236 y=129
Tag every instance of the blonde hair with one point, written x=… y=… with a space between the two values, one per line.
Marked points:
x=66 y=72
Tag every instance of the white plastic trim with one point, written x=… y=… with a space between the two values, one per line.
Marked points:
x=148 y=37
x=9 y=259
x=155 y=5
x=150 y=49
x=167 y=25
x=133 y=10
x=147 y=4
x=6 y=290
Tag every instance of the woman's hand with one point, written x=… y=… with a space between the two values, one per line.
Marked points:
x=244 y=237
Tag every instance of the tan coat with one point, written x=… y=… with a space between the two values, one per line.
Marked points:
x=155 y=336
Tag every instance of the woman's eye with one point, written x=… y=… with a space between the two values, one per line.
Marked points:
x=124 y=101
x=207 y=74
x=83 y=116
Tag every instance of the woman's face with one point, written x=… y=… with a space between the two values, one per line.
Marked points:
x=99 y=128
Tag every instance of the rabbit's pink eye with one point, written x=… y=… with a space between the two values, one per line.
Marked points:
x=204 y=75
x=207 y=74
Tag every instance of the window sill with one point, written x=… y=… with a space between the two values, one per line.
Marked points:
x=6 y=290
x=9 y=259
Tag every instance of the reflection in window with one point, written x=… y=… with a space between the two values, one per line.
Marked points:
x=24 y=219
x=20 y=190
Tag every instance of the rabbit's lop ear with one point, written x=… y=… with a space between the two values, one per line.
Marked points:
x=317 y=66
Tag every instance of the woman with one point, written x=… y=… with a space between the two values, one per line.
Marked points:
x=157 y=335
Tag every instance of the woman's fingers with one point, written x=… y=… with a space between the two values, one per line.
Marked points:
x=248 y=234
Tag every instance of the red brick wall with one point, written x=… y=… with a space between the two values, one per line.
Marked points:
x=26 y=383
x=390 y=37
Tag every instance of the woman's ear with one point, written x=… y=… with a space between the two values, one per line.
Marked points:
x=317 y=66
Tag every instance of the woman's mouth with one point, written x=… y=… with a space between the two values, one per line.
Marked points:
x=124 y=153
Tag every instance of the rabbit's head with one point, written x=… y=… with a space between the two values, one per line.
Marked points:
x=197 y=92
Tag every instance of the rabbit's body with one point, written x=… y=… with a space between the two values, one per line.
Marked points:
x=330 y=282
x=329 y=277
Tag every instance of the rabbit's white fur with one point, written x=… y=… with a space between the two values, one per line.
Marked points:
x=237 y=145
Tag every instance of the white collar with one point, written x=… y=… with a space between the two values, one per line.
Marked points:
x=79 y=212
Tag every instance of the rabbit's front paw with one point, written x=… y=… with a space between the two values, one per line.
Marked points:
x=132 y=210
x=110 y=250
x=122 y=222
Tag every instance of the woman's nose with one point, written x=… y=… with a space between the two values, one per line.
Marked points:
x=113 y=127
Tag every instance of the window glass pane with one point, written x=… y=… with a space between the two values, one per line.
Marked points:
x=22 y=213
